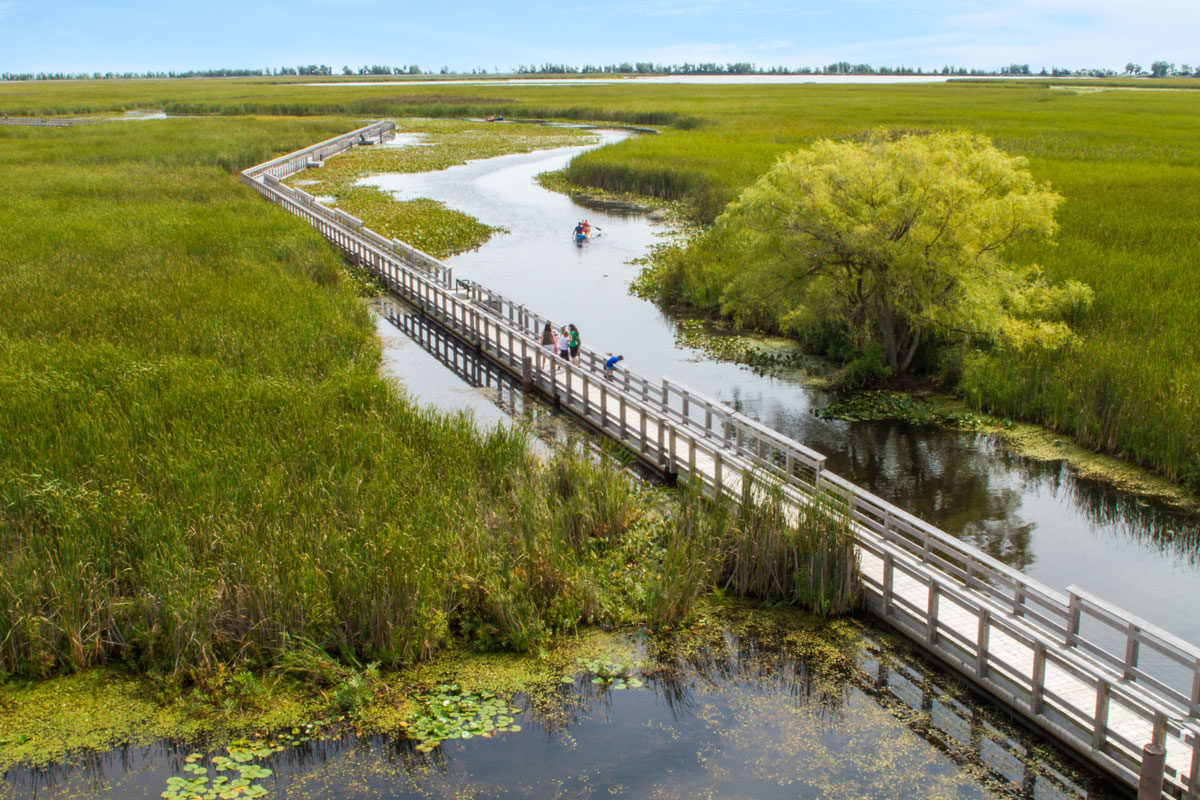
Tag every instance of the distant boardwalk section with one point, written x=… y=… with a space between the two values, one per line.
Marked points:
x=1096 y=678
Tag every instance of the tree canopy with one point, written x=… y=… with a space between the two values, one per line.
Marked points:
x=894 y=240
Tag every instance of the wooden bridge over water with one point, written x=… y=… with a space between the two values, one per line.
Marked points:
x=1097 y=679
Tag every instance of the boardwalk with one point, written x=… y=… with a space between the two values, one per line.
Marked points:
x=1032 y=648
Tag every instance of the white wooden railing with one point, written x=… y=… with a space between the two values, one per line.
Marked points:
x=1013 y=636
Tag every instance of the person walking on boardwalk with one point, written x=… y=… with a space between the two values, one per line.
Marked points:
x=610 y=366
x=574 y=343
x=564 y=345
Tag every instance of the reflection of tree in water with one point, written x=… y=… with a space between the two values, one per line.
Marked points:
x=974 y=487
x=945 y=478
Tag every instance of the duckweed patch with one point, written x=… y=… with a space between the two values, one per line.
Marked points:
x=886 y=405
x=44 y=721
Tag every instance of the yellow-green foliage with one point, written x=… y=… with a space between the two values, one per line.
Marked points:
x=892 y=241
x=201 y=463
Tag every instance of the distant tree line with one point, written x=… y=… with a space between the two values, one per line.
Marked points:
x=1158 y=69
x=1163 y=69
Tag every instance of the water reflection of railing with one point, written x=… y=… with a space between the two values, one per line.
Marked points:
x=457 y=357
x=1007 y=758
x=1007 y=632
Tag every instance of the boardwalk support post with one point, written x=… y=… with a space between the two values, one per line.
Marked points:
x=1150 y=781
x=527 y=374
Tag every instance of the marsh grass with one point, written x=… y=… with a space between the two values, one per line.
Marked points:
x=425 y=224
x=809 y=559
x=758 y=547
x=201 y=463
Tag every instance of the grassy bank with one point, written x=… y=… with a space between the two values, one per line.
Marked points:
x=427 y=224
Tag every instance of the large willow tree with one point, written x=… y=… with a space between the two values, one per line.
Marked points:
x=895 y=240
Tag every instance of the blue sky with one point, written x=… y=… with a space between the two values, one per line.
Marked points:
x=77 y=36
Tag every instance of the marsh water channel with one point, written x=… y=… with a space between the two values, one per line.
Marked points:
x=1037 y=516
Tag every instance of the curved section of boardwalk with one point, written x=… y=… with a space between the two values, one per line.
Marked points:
x=1022 y=642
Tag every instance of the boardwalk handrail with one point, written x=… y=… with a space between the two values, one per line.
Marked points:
x=677 y=428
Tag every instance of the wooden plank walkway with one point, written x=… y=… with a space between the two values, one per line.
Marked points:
x=1011 y=636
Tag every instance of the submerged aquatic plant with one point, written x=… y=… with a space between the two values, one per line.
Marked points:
x=887 y=405
x=701 y=335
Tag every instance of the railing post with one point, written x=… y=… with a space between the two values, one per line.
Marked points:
x=1074 y=609
x=931 y=614
x=1195 y=709
x=1150 y=778
x=982 y=640
x=1132 y=647
x=672 y=458
x=1193 y=788
x=1158 y=733
x=1038 y=679
x=889 y=570
x=1100 y=730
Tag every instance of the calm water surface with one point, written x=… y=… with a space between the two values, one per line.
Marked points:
x=1038 y=516
x=750 y=715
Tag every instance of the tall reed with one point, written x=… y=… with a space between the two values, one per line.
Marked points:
x=803 y=554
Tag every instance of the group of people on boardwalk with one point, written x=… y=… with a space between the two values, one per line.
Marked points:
x=565 y=342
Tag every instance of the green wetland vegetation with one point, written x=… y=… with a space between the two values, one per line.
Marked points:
x=426 y=224
x=1122 y=160
x=202 y=466
x=208 y=481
